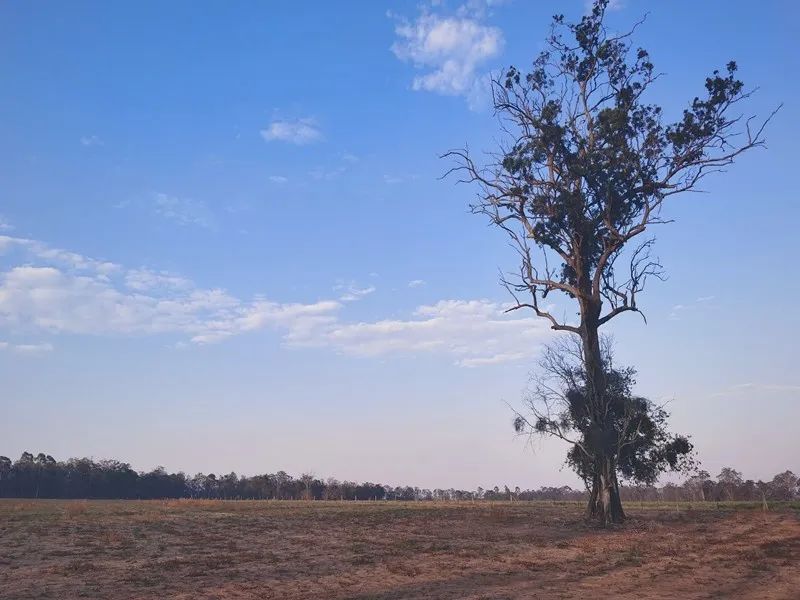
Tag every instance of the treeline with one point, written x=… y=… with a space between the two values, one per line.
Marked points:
x=41 y=476
x=728 y=485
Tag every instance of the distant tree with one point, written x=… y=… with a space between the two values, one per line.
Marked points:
x=229 y=485
x=634 y=429
x=784 y=486
x=729 y=480
x=333 y=490
x=698 y=485
x=5 y=475
x=282 y=481
x=585 y=170
x=25 y=474
x=307 y=479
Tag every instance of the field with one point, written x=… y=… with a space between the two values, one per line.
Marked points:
x=287 y=550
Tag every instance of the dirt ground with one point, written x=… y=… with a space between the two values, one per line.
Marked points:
x=360 y=550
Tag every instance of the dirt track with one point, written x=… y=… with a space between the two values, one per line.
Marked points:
x=292 y=550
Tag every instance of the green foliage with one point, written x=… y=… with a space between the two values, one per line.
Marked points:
x=634 y=430
x=593 y=156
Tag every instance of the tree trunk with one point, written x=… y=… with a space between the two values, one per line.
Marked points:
x=605 y=504
x=593 y=358
x=591 y=509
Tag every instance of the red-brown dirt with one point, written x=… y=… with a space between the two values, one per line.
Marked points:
x=321 y=550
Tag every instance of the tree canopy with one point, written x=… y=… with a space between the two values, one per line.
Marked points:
x=636 y=429
x=585 y=166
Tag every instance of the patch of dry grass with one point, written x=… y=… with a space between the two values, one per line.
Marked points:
x=376 y=550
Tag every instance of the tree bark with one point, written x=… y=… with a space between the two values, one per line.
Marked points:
x=605 y=504
x=591 y=508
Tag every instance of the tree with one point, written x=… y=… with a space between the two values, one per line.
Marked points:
x=634 y=432
x=584 y=172
x=784 y=486
x=5 y=473
x=729 y=480
x=698 y=485
x=307 y=479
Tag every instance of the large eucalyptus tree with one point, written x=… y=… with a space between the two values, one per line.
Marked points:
x=587 y=164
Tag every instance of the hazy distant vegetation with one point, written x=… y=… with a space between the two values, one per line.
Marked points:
x=42 y=476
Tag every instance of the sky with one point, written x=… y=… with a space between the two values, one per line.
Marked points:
x=226 y=243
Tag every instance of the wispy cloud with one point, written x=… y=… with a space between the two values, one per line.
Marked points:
x=415 y=283
x=55 y=256
x=350 y=158
x=91 y=140
x=452 y=50
x=183 y=211
x=53 y=291
x=298 y=131
x=5 y=225
x=327 y=173
x=350 y=292
x=26 y=349
x=342 y=163
x=278 y=179
x=143 y=280
x=471 y=332
x=758 y=389
x=702 y=302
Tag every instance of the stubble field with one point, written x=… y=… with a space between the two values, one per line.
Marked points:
x=363 y=550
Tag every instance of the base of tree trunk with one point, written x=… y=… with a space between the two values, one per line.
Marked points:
x=605 y=504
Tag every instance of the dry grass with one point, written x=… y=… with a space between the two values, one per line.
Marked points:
x=75 y=507
x=292 y=550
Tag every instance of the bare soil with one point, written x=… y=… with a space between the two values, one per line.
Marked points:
x=362 y=550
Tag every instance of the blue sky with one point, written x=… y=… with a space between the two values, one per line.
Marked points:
x=226 y=243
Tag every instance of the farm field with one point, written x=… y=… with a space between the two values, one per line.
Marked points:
x=364 y=550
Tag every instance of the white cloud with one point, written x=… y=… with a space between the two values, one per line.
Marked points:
x=5 y=225
x=58 y=297
x=496 y=359
x=453 y=50
x=56 y=256
x=327 y=173
x=53 y=291
x=299 y=320
x=27 y=349
x=145 y=280
x=91 y=140
x=278 y=179
x=415 y=283
x=472 y=332
x=767 y=387
x=298 y=131
x=352 y=292
x=703 y=302
x=350 y=158
x=183 y=211
x=33 y=349
x=755 y=390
